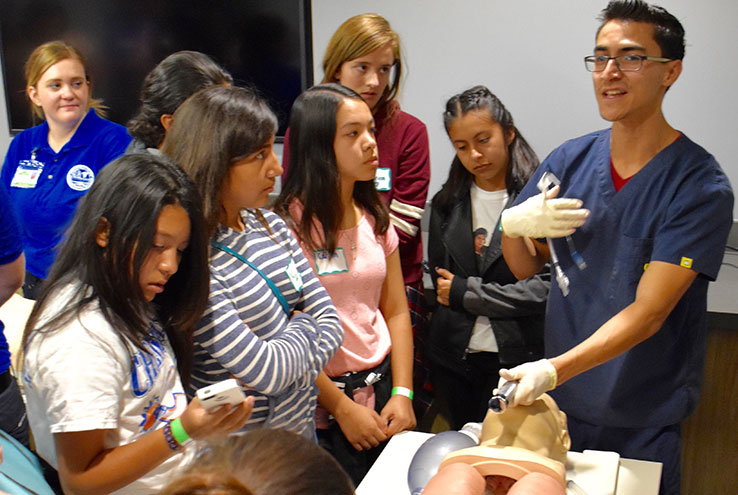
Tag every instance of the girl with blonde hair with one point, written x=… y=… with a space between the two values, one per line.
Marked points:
x=49 y=167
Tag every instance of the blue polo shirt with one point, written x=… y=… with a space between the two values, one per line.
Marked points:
x=45 y=186
x=11 y=247
x=677 y=209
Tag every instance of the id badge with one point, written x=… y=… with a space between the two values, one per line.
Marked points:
x=325 y=264
x=27 y=174
x=294 y=275
x=383 y=179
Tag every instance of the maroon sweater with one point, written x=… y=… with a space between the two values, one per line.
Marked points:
x=402 y=141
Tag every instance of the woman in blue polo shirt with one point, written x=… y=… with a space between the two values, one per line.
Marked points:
x=49 y=167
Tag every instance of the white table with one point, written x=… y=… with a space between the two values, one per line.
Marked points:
x=388 y=476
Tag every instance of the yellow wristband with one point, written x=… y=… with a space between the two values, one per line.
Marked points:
x=404 y=391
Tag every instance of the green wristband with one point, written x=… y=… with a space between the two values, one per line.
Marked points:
x=178 y=432
x=404 y=391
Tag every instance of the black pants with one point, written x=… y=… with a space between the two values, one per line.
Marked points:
x=12 y=409
x=31 y=286
x=355 y=462
x=467 y=392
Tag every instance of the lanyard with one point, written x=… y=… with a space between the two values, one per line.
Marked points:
x=275 y=289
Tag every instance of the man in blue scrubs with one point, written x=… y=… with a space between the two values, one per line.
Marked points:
x=627 y=345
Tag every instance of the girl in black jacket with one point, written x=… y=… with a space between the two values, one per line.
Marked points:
x=485 y=318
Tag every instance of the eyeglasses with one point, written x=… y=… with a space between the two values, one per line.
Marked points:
x=625 y=63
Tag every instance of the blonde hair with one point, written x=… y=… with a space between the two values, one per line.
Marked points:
x=356 y=37
x=48 y=54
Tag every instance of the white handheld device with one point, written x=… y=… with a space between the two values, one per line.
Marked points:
x=221 y=393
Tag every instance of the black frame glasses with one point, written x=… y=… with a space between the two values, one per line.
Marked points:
x=624 y=63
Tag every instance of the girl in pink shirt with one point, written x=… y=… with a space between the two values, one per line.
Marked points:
x=330 y=202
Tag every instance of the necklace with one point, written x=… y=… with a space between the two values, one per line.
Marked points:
x=351 y=234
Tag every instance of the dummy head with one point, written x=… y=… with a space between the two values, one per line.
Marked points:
x=262 y=462
x=522 y=440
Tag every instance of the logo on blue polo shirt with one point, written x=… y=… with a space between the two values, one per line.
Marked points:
x=80 y=177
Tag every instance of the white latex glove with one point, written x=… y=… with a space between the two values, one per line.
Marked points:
x=534 y=379
x=543 y=216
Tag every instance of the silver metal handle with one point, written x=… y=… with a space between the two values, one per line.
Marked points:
x=498 y=402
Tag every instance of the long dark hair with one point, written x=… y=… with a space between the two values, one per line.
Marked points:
x=523 y=160
x=313 y=178
x=212 y=130
x=129 y=194
x=170 y=83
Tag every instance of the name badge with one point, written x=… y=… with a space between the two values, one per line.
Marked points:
x=383 y=179
x=27 y=174
x=294 y=275
x=327 y=264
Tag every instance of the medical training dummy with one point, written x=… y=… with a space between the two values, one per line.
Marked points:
x=514 y=444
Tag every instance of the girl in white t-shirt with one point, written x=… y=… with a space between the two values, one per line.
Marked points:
x=111 y=326
x=330 y=202
x=485 y=317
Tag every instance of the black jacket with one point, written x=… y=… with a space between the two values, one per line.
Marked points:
x=516 y=308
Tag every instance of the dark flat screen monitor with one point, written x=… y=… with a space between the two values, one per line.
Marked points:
x=263 y=43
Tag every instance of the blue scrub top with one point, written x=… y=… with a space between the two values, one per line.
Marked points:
x=45 y=186
x=11 y=247
x=677 y=210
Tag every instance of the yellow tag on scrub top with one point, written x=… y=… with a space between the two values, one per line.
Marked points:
x=686 y=263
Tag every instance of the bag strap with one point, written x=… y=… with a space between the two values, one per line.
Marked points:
x=275 y=289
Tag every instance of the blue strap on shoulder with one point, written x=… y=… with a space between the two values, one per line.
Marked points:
x=275 y=289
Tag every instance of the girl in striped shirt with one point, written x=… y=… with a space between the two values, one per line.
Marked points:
x=269 y=322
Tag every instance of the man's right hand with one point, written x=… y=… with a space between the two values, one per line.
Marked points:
x=534 y=379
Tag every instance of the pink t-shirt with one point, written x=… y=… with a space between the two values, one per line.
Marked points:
x=356 y=293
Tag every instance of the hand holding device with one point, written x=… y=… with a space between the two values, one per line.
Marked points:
x=544 y=215
x=534 y=379
x=221 y=393
x=501 y=397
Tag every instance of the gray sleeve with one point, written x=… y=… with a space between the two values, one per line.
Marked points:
x=523 y=298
